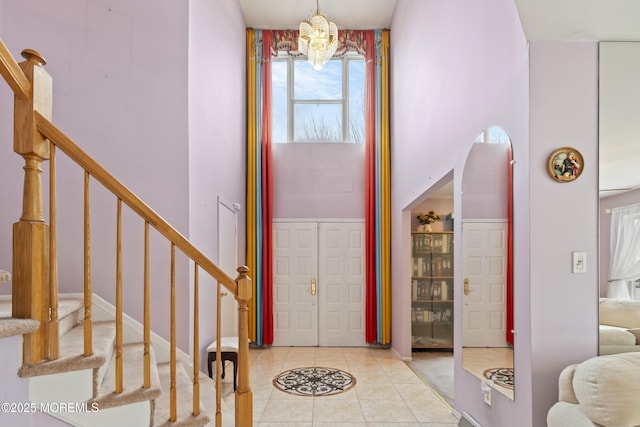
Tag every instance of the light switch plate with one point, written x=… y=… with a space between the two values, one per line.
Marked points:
x=485 y=388
x=579 y=262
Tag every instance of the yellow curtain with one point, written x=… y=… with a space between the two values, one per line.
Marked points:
x=385 y=162
x=251 y=178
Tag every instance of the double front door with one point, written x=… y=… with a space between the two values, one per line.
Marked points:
x=318 y=284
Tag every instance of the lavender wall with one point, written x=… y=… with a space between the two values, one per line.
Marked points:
x=564 y=216
x=485 y=183
x=216 y=135
x=119 y=70
x=624 y=199
x=458 y=68
x=318 y=180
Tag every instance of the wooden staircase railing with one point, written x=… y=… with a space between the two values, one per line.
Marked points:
x=35 y=288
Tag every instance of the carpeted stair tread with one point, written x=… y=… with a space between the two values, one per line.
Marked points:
x=10 y=326
x=72 y=349
x=184 y=398
x=66 y=306
x=133 y=379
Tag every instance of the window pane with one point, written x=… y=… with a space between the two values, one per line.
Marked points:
x=318 y=122
x=314 y=84
x=356 y=101
x=279 y=100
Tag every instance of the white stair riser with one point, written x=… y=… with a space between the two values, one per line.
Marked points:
x=67 y=393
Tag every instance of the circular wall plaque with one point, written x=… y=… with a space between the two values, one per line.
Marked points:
x=565 y=164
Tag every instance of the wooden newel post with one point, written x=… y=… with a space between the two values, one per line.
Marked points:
x=31 y=233
x=244 y=395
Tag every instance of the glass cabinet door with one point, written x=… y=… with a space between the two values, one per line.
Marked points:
x=432 y=290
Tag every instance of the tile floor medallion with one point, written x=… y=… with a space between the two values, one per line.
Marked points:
x=500 y=376
x=314 y=381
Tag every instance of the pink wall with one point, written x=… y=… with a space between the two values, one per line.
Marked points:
x=318 y=180
x=485 y=183
x=563 y=112
x=216 y=135
x=128 y=92
x=623 y=199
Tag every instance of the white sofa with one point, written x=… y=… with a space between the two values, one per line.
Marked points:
x=601 y=391
x=619 y=326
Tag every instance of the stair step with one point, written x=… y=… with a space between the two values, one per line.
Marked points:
x=10 y=326
x=72 y=349
x=133 y=379
x=184 y=397
x=70 y=311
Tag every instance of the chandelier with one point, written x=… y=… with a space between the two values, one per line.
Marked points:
x=318 y=39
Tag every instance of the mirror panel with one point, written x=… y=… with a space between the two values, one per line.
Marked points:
x=619 y=145
x=487 y=307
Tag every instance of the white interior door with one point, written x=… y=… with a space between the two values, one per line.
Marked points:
x=484 y=265
x=295 y=266
x=228 y=262
x=341 y=284
x=331 y=312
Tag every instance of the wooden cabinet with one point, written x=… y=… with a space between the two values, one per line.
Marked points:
x=432 y=290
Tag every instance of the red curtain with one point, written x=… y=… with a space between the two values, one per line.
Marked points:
x=510 y=251
x=370 y=189
x=267 y=192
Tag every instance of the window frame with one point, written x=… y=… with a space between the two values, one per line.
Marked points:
x=344 y=101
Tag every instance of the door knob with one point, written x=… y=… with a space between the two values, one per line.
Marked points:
x=313 y=286
x=467 y=291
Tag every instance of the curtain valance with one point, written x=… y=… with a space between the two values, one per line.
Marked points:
x=286 y=41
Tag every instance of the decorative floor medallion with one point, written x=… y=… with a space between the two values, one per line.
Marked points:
x=500 y=376
x=314 y=381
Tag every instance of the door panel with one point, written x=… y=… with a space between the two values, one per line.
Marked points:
x=484 y=265
x=341 y=284
x=295 y=309
x=227 y=260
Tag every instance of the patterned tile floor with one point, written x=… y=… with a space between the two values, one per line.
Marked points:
x=387 y=392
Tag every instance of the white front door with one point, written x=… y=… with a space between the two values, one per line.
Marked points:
x=484 y=268
x=318 y=284
x=295 y=268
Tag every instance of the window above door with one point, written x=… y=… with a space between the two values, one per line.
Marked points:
x=318 y=105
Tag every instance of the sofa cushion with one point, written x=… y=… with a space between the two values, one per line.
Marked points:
x=620 y=313
x=564 y=414
x=565 y=385
x=636 y=333
x=608 y=387
x=613 y=335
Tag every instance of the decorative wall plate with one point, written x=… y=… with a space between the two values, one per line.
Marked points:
x=565 y=164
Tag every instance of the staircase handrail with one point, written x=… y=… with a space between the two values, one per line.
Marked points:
x=12 y=73
x=79 y=156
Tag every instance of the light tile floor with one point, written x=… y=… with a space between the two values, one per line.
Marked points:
x=387 y=391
